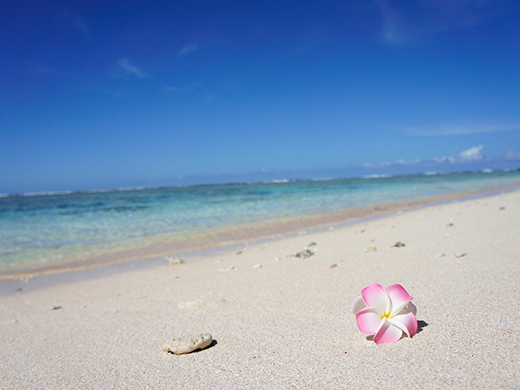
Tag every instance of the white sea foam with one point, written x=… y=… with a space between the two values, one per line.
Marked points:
x=276 y=181
x=377 y=176
x=47 y=193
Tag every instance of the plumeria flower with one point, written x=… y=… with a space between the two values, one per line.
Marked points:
x=386 y=314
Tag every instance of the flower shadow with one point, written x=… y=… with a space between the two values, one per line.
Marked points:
x=421 y=325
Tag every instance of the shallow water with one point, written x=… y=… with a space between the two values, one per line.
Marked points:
x=40 y=230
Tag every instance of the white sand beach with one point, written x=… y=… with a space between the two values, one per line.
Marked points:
x=281 y=322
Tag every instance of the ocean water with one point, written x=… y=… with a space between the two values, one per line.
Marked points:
x=37 y=230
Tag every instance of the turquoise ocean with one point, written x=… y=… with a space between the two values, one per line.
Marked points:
x=38 y=230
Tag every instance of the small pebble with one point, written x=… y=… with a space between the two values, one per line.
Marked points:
x=199 y=304
x=312 y=244
x=461 y=254
x=238 y=253
x=187 y=344
x=441 y=254
x=449 y=224
x=333 y=266
x=231 y=268
x=370 y=249
x=398 y=244
x=174 y=260
x=257 y=266
x=54 y=307
x=502 y=208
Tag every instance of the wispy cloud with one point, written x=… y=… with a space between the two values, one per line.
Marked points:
x=188 y=88
x=187 y=49
x=460 y=129
x=410 y=21
x=126 y=66
x=511 y=155
x=77 y=20
x=55 y=72
x=82 y=26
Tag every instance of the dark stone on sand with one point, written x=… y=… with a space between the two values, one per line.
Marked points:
x=398 y=244
x=304 y=254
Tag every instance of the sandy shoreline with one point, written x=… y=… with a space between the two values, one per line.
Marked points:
x=288 y=324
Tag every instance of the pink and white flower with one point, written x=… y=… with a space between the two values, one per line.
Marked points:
x=386 y=314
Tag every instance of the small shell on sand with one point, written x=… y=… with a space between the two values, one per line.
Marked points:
x=460 y=254
x=370 y=249
x=172 y=260
x=333 y=266
x=257 y=266
x=187 y=344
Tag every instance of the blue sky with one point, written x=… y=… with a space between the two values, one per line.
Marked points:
x=104 y=94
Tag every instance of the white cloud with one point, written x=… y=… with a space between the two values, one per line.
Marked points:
x=472 y=154
x=126 y=65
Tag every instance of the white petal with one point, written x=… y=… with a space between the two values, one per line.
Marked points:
x=358 y=304
x=399 y=325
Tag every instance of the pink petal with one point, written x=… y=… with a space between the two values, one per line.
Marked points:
x=369 y=320
x=399 y=297
x=408 y=320
x=376 y=296
x=358 y=304
x=388 y=333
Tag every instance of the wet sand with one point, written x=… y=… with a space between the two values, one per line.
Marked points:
x=281 y=322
